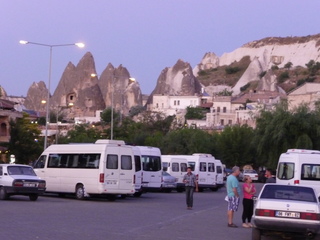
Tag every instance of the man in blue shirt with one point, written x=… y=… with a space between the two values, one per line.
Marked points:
x=233 y=191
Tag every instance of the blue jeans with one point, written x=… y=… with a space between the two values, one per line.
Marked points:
x=189 y=196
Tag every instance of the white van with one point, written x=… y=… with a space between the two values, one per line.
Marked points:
x=176 y=167
x=203 y=165
x=151 y=167
x=219 y=173
x=104 y=168
x=299 y=166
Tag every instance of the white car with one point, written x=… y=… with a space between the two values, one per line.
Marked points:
x=18 y=179
x=286 y=209
x=252 y=173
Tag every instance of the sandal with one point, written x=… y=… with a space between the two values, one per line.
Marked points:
x=232 y=225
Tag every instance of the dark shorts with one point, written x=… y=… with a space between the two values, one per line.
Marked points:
x=233 y=203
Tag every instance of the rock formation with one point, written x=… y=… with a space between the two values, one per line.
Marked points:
x=78 y=90
x=177 y=81
x=117 y=85
x=36 y=97
x=266 y=53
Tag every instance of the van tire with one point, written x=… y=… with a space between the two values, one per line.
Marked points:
x=3 y=194
x=80 y=192
x=137 y=194
x=33 y=197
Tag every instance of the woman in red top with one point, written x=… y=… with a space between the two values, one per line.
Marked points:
x=248 y=191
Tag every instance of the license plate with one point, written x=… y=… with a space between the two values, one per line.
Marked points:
x=287 y=214
x=30 y=185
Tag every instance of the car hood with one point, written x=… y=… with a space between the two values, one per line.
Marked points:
x=285 y=205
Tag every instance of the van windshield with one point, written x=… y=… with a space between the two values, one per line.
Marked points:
x=285 y=170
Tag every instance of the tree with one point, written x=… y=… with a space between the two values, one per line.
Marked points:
x=82 y=133
x=106 y=115
x=24 y=141
x=195 y=113
x=288 y=65
x=235 y=146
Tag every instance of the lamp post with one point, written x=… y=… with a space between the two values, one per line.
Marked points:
x=80 y=45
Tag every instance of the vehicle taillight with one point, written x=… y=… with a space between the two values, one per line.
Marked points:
x=197 y=177
x=296 y=182
x=310 y=216
x=18 y=184
x=264 y=212
x=42 y=185
x=101 y=178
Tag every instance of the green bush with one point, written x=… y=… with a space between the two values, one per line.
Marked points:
x=245 y=87
x=283 y=76
x=232 y=70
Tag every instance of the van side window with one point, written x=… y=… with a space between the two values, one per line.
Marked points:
x=192 y=165
x=183 y=167
x=203 y=167
x=165 y=166
x=1 y=171
x=137 y=162
x=310 y=172
x=175 y=167
x=126 y=162
x=219 y=169
x=112 y=161
x=286 y=171
x=41 y=162
x=210 y=167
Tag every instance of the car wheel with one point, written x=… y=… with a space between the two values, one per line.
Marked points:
x=3 y=194
x=256 y=234
x=80 y=192
x=33 y=197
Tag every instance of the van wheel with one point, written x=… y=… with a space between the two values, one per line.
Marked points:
x=256 y=234
x=3 y=194
x=180 y=189
x=33 y=197
x=112 y=197
x=80 y=192
x=137 y=194
x=214 y=189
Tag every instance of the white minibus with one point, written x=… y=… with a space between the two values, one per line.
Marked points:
x=203 y=165
x=219 y=173
x=299 y=166
x=177 y=167
x=151 y=167
x=104 y=168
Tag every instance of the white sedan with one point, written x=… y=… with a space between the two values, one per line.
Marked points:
x=252 y=173
x=287 y=209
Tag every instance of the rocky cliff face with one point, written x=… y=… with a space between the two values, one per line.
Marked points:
x=81 y=94
x=177 y=81
x=264 y=54
x=37 y=93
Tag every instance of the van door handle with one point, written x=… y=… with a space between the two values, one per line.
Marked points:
x=121 y=173
x=152 y=176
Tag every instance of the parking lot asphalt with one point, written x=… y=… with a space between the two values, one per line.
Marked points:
x=152 y=216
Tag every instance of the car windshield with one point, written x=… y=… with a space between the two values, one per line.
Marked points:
x=295 y=193
x=249 y=171
x=21 y=170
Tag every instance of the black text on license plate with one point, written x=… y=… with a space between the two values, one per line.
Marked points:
x=287 y=214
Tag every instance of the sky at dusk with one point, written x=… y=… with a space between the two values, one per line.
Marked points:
x=145 y=36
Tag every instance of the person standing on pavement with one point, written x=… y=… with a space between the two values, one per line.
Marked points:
x=270 y=177
x=248 y=191
x=191 y=184
x=233 y=191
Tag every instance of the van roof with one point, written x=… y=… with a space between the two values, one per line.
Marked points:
x=303 y=151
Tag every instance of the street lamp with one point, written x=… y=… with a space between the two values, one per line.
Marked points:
x=80 y=45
